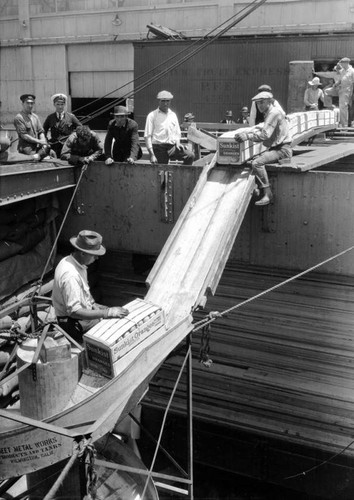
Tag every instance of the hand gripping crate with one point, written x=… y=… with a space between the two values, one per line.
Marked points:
x=108 y=341
x=230 y=152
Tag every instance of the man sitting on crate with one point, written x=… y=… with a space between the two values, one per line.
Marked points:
x=75 y=308
x=274 y=134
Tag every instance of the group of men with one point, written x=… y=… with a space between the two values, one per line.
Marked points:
x=64 y=136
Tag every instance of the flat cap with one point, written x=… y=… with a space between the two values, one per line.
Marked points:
x=28 y=97
x=164 y=94
x=262 y=95
x=264 y=87
x=345 y=59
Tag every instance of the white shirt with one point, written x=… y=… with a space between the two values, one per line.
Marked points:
x=162 y=128
x=71 y=290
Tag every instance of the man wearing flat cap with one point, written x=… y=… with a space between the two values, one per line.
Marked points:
x=75 y=308
x=31 y=137
x=123 y=133
x=163 y=134
x=274 y=134
x=60 y=124
x=344 y=86
x=255 y=115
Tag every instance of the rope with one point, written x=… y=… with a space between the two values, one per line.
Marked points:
x=40 y=282
x=164 y=421
x=204 y=350
x=209 y=319
x=248 y=8
x=53 y=490
x=89 y=453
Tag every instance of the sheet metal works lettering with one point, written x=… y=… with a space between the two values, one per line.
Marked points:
x=30 y=451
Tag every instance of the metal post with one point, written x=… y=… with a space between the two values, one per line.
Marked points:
x=190 y=416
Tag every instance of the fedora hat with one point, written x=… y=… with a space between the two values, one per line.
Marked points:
x=120 y=111
x=88 y=242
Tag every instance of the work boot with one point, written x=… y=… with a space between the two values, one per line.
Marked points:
x=266 y=199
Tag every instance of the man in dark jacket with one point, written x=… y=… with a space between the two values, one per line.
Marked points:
x=59 y=124
x=82 y=147
x=124 y=132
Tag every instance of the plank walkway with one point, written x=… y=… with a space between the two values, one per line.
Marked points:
x=316 y=156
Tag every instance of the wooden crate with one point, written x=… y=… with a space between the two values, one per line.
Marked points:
x=111 y=339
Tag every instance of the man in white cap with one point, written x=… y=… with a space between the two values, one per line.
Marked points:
x=59 y=124
x=275 y=135
x=313 y=95
x=255 y=115
x=75 y=308
x=345 y=89
x=123 y=133
x=163 y=134
x=31 y=137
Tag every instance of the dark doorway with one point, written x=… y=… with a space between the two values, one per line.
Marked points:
x=94 y=112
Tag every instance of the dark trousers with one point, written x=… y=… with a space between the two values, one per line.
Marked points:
x=33 y=149
x=166 y=152
x=272 y=155
x=75 y=327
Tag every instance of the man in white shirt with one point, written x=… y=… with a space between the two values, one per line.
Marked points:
x=345 y=89
x=75 y=308
x=163 y=134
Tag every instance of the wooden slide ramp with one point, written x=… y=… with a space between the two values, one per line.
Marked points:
x=193 y=258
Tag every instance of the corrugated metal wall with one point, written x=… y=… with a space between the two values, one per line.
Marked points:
x=226 y=74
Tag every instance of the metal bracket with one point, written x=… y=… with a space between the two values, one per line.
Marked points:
x=34 y=372
x=166 y=196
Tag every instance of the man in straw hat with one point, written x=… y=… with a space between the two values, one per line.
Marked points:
x=123 y=133
x=75 y=308
x=163 y=134
x=313 y=95
x=60 y=124
x=274 y=134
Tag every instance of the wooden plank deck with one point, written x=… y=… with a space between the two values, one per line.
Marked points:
x=283 y=365
x=315 y=157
